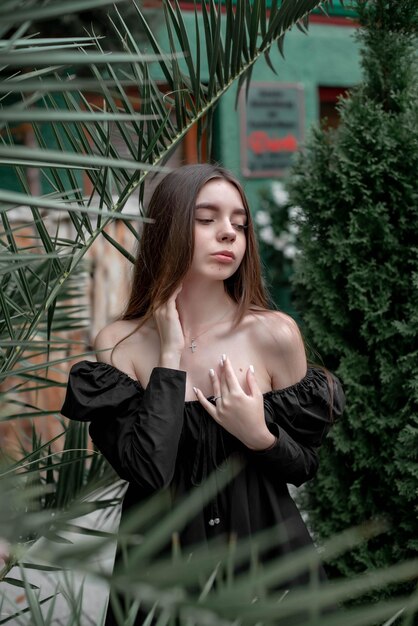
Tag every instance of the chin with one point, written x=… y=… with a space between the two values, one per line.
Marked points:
x=216 y=275
x=224 y=271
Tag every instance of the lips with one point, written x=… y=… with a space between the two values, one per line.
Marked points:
x=224 y=253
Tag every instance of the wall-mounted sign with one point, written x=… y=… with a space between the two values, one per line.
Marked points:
x=271 y=128
x=336 y=9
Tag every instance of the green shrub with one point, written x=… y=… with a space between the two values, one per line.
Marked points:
x=356 y=282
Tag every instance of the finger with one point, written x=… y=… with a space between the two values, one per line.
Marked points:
x=254 y=389
x=230 y=376
x=216 y=386
x=205 y=402
x=171 y=303
x=177 y=291
x=224 y=389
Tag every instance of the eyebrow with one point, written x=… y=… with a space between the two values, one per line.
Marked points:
x=214 y=207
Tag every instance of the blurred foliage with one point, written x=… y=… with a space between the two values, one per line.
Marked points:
x=223 y=583
x=276 y=227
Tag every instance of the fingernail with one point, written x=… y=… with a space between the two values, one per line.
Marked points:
x=195 y=390
x=212 y=372
x=223 y=358
x=252 y=369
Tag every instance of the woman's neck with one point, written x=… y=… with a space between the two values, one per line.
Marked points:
x=202 y=303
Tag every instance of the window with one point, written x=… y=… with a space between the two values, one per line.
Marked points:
x=328 y=100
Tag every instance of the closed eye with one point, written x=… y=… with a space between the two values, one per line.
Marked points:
x=239 y=227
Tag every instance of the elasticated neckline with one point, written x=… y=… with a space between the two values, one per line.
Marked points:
x=302 y=383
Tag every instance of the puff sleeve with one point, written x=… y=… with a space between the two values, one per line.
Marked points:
x=137 y=430
x=300 y=416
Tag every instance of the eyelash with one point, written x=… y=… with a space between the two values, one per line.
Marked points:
x=239 y=227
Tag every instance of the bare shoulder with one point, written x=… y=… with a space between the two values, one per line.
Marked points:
x=277 y=335
x=115 y=340
x=268 y=325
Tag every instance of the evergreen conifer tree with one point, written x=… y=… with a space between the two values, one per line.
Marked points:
x=356 y=285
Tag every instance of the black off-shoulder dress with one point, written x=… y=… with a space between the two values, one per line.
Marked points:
x=155 y=439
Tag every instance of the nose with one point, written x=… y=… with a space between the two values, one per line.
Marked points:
x=227 y=232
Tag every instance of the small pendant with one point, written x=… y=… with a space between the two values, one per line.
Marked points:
x=193 y=346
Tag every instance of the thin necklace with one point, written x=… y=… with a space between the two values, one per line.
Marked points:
x=193 y=344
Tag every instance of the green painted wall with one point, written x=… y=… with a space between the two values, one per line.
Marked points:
x=327 y=57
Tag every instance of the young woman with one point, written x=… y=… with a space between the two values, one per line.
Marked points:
x=199 y=370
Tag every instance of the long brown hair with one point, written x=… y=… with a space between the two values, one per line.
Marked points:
x=167 y=245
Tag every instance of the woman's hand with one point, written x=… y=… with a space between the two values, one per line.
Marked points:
x=169 y=328
x=239 y=413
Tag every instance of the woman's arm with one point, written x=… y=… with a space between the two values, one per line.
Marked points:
x=241 y=414
x=282 y=347
x=287 y=460
x=277 y=445
x=138 y=431
x=296 y=422
x=141 y=443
